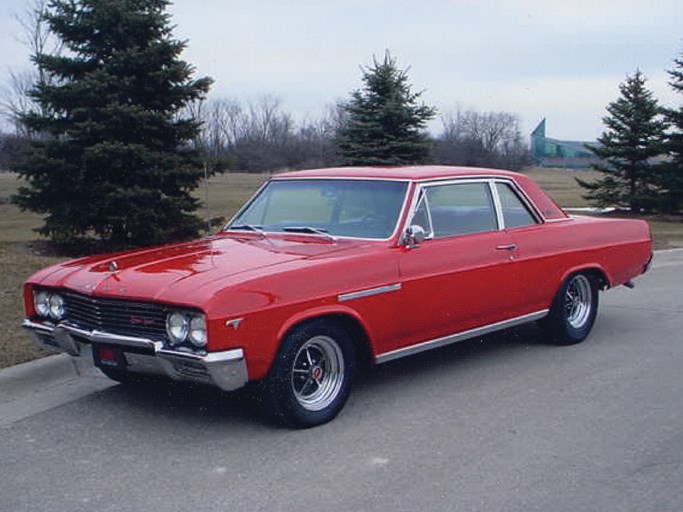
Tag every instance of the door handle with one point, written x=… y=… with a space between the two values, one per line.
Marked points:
x=509 y=247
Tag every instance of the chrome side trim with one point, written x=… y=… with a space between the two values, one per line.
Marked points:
x=369 y=292
x=462 y=336
x=226 y=369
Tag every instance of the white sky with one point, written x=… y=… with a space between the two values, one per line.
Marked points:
x=562 y=60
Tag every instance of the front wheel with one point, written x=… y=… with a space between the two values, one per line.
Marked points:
x=573 y=311
x=312 y=375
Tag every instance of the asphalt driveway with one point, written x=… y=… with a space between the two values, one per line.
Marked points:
x=502 y=423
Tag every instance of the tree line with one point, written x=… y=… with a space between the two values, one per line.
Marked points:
x=641 y=150
x=262 y=136
x=114 y=131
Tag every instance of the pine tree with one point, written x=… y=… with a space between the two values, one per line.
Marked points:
x=113 y=165
x=385 y=123
x=633 y=137
x=672 y=170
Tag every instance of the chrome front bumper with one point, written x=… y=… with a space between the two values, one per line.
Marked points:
x=226 y=369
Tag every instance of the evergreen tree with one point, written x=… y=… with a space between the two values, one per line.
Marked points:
x=385 y=123
x=672 y=171
x=113 y=164
x=633 y=137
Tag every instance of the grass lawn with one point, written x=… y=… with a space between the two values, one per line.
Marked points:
x=19 y=259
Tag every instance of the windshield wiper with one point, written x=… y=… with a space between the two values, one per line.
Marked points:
x=309 y=229
x=248 y=227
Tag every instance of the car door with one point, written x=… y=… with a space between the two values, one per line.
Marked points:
x=462 y=276
x=536 y=253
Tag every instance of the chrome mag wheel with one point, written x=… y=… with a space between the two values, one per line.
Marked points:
x=317 y=373
x=578 y=301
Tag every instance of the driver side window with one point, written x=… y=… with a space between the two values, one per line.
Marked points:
x=456 y=209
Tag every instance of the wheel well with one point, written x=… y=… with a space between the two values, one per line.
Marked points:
x=598 y=275
x=353 y=327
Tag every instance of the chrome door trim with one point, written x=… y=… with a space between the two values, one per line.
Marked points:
x=369 y=292
x=461 y=336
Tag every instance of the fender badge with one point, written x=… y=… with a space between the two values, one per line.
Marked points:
x=113 y=266
x=235 y=323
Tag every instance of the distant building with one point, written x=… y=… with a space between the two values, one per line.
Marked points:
x=568 y=154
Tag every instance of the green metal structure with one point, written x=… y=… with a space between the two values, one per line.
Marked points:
x=570 y=154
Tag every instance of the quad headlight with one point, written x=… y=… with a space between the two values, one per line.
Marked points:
x=57 y=307
x=198 y=330
x=49 y=304
x=41 y=301
x=182 y=327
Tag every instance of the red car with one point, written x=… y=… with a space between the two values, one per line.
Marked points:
x=323 y=270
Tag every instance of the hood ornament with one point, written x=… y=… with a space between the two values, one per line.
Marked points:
x=113 y=266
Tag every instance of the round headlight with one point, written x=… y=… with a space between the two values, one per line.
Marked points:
x=198 y=330
x=57 y=306
x=41 y=301
x=177 y=327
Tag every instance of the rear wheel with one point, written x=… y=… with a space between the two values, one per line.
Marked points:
x=573 y=311
x=312 y=375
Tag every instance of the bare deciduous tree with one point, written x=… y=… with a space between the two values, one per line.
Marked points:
x=262 y=137
x=481 y=139
x=36 y=36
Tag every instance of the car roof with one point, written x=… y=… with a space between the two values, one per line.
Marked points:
x=412 y=173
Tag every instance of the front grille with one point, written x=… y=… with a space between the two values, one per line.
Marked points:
x=116 y=316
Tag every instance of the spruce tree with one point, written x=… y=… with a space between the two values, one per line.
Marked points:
x=112 y=165
x=385 y=123
x=672 y=170
x=633 y=137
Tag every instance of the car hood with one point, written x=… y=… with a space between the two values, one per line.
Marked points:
x=182 y=273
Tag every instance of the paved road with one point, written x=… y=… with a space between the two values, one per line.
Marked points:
x=505 y=423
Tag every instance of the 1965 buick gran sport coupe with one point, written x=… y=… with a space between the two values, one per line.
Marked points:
x=323 y=270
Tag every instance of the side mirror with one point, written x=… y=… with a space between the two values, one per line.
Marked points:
x=414 y=236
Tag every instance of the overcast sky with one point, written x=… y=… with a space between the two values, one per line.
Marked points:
x=562 y=60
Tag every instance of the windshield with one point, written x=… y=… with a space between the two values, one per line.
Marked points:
x=337 y=207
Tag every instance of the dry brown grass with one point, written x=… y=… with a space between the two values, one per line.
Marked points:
x=16 y=263
x=18 y=258
x=562 y=186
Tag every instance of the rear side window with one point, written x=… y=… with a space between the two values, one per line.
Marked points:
x=515 y=212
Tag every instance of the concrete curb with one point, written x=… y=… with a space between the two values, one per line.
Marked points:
x=41 y=372
x=30 y=388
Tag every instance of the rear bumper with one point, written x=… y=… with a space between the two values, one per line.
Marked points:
x=226 y=369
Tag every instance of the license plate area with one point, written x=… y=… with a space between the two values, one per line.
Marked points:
x=108 y=356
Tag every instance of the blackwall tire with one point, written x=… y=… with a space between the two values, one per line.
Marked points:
x=573 y=311
x=311 y=377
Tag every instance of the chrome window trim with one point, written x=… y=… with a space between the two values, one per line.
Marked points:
x=339 y=237
x=354 y=178
x=497 y=204
x=457 y=337
x=526 y=202
x=422 y=196
x=421 y=187
x=563 y=219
